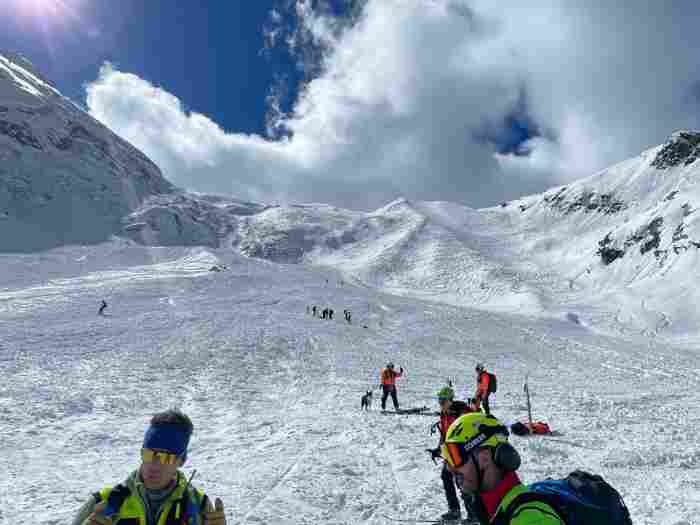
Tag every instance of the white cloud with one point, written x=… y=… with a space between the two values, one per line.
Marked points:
x=400 y=94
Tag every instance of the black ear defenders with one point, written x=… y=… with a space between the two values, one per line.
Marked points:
x=506 y=457
x=504 y=454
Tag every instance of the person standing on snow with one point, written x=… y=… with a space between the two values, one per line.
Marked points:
x=102 y=307
x=483 y=388
x=157 y=493
x=388 y=382
x=450 y=410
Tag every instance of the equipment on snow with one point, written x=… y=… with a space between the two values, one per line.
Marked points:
x=580 y=499
x=535 y=427
x=457 y=521
x=526 y=389
x=422 y=411
x=520 y=428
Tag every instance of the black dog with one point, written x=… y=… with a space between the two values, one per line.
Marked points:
x=366 y=403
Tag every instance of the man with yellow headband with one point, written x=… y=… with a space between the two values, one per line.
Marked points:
x=476 y=450
x=157 y=493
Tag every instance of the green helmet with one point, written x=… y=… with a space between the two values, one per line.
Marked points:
x=477 y=430
x=446 y=392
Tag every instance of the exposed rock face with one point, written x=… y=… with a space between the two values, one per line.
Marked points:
x=64 y=177
x=608 y=253
x=589 y=201
x=682 y=149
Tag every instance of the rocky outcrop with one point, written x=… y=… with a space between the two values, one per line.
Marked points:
x=588 y=201
x=682 y=149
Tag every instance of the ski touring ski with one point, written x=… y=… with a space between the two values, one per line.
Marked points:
x=439 y=521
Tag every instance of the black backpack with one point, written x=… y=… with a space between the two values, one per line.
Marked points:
x=579 y=499
x=493 y=385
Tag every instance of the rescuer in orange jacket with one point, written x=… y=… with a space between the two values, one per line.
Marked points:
x=388 y=378
x=483 y=388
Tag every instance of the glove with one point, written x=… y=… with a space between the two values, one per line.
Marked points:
x=215 y=515
x=96 y=518
x=401 y=369
x=434 y=453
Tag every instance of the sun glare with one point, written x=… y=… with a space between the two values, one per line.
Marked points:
x=48 y=14
x=53 y=21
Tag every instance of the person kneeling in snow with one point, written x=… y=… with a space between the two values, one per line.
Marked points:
x=157 y=493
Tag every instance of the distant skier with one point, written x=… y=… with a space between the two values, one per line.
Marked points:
x=157 y=491
x=103 y=306
x=324 y=313
x=388 y=382
x=313 y=310
x=485 y=386
x=330 y=313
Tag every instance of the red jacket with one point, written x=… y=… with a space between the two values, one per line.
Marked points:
x=457 y=409
x=482 y=385
x=492 y=498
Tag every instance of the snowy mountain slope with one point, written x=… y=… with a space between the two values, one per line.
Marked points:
x=615 y=251
x=274 y=393
x=625 y=239
x=64 y=177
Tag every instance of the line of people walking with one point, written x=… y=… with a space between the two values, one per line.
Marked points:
x=327 y=313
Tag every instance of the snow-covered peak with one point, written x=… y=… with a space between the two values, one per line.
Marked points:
x=683 y=148
x=64 y=177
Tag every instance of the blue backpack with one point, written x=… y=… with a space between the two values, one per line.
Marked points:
x=579 y=499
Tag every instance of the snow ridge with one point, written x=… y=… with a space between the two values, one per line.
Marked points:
x=64 y=177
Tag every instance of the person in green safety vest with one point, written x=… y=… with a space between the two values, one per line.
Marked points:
x=157 y=493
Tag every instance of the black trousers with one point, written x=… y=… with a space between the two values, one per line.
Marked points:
x=386 y=390
x=485 y=402
x=448 y=482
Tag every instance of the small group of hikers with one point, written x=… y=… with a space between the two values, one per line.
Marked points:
x=485 y=386
x=479 y=460
x=327 y=313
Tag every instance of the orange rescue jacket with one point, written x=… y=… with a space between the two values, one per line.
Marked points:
x=389 y=376
x=482 y=385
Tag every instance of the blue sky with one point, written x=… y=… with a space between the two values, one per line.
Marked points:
x=208 y=53
x=358 y=102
